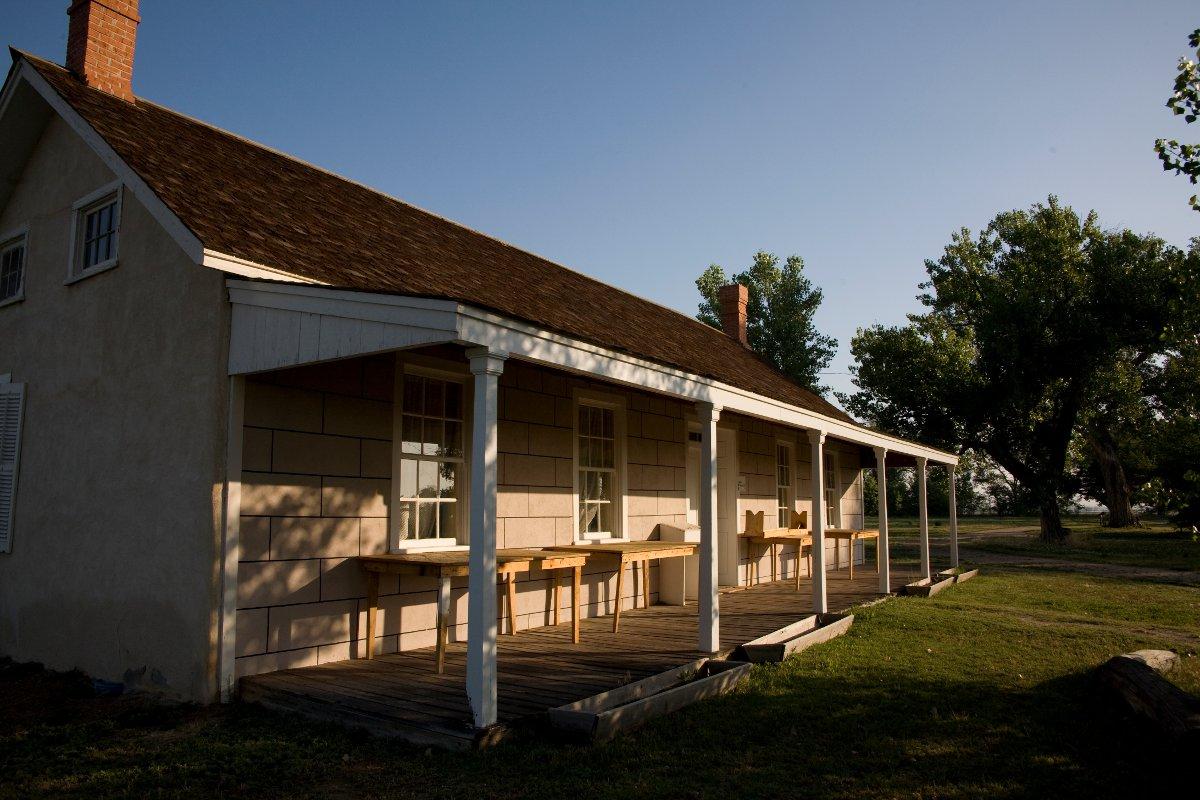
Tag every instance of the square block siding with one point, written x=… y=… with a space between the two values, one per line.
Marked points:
x=316 y=491
x=756 y=467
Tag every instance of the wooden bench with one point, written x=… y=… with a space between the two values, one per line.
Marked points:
x=448 y=564
x=632 y=553
x=796 y=534
x=852 y=536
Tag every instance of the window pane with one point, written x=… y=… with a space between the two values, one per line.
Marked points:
x=588 y=517
x=606 y=455
x=408 y=478
x=427 y=474
x=606 y=423
x=453 y=400
x=434 y=398
x=448 y=520
x=585 y=452
x=606 y=523
x=406 y=520
x=411 y=434
x=585 y=420
x=427 y=520
x=90 y=226
x=603 y=485
x=452 y=445
x=432 y=438
x=597 y=426
x=449 y=480
x=414 y=394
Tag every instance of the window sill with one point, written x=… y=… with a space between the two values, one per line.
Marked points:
x=602 y=540
x=96 y=270
x=423 y=545
x=16 y=298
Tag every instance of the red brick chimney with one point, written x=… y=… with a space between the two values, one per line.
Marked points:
x=734 y=298
x=100 y=44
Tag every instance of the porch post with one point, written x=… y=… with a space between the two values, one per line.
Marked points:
x=708 y=605
x=884 y=556
x=231 y=524
x=820 y=601
x=923 y=516
x=486 y=366
x=953 y=520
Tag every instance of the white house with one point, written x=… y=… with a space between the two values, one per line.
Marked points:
x=227 y=374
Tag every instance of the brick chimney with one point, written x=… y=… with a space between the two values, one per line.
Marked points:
x=734 y=298
x=100 y=44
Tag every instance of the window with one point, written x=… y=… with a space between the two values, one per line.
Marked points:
x=97 y=229
x=783 y=484
x=430 y=468
x=12 y=268
x=598 y=477
x=11 y=398
x=833 y=495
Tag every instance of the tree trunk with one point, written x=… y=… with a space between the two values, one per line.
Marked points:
x=1117 y=494
x=1052 y=527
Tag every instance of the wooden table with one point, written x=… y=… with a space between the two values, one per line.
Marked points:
x=448 y=564
x=550 y=561
x=632 y=553
x=772 y=538
x=852 y=536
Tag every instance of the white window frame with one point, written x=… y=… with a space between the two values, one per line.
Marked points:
x=833 y=512
x=789 y=486
x=444 y=371
x=79 y=211
x=616 y=403
x=17 y=237
x=9 y=523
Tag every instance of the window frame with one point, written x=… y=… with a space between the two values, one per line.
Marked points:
x=442 y=371
x=94 y=201
x=13 y=238
x=616 y=404
x=788 y=486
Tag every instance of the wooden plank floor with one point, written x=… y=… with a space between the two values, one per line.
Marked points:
x=401 y=695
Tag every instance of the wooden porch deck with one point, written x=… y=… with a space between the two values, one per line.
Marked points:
x=401 y=695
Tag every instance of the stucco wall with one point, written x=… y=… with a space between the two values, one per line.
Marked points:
x=316 y=469
x=114 y=556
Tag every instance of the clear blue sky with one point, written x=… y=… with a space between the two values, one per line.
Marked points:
x=641 y=141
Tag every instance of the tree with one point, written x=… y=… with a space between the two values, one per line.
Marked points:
x=1022 y=322
x=779 y=315
x=1184 y=159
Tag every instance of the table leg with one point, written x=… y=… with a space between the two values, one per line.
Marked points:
x=575 y=575
x=512 y=604
x=645 y=584
x=773 y=553
x=851 y=558
x=837 y=555
x=372 y=609
x=620 y=588
x=557 y=593
x=443 y=622
x=799 y=555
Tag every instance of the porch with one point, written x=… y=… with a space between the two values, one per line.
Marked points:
x=402 y=695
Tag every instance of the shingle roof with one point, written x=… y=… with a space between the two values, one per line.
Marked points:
x=247 y=201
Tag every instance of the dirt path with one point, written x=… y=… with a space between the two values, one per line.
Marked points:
x=1154 y=574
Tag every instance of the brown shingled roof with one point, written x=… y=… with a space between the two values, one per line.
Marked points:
x=247 y=201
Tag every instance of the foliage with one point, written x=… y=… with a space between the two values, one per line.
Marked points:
x=1184 y=159
x=779 y=315
x=1022 y=322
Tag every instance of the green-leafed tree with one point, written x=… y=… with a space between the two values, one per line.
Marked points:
x=779 y=315
x=1184 y=159
x=1022 y=322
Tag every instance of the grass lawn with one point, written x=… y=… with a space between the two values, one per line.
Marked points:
x=1155 y=544
x=982 y=691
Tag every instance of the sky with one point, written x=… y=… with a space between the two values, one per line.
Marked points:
x=640 y=142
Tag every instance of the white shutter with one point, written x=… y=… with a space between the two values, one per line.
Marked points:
x=12 y=396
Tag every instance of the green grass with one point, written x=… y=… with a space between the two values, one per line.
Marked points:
x=939 y=526
x=1153 y=545
x=982 y=691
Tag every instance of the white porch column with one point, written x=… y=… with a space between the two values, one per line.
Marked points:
x=708 y=606
x=486 y=366
x=953 y=520
x=232 y=500
x=820 y=601
x=923 y=516
x=885 y=555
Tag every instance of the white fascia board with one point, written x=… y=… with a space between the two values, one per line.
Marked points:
x=182 y=235
x=251 y=269
x=526 y=341
x=348 y=304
